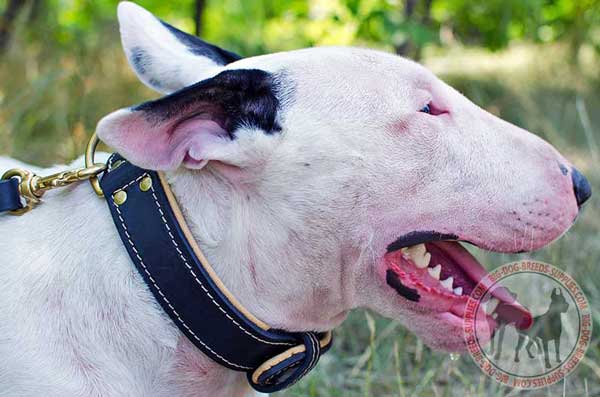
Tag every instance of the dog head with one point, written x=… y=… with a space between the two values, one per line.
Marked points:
x=558 y=303
x=344 y=176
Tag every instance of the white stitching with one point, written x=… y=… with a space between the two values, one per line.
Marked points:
x=129 y=184
x=164 y=297
x=316 y=351
x=314 y=357
x=315 y=342
x=110 y=163
x=162 y=215
x=313 y=360
x=294 y=365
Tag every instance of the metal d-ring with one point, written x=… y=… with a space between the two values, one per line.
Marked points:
x=90 y=151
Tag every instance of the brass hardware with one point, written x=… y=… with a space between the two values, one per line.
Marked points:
x=120 y=197
x=89 y=162
x=25 y=189
x=146 y=184
x=116 y=164
x=32 y=187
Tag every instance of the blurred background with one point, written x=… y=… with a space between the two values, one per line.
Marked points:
x=532 y=62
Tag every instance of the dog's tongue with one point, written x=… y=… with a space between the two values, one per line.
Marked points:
x=509 y=310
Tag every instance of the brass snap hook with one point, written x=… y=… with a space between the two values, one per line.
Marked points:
x=32 y=187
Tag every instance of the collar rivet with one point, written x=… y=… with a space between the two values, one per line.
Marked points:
x=120 y=197
x=146 y=184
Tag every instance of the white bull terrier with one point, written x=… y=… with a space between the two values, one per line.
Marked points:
x=315 y=181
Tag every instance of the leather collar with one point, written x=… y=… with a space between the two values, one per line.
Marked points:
x=10 y=198
x=161 y=246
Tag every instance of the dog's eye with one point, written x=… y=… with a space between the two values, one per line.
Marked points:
x=426 y=109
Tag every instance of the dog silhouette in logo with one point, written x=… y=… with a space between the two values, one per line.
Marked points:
x=546 y=328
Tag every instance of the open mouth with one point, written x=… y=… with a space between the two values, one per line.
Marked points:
x=436 y=271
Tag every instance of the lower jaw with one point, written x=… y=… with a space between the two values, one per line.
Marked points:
x=443 y=304
x=486 y=327
x=444 y=331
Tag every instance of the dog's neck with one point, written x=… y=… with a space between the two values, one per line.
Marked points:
x=136 y=346
x=232 y=228
x=258 y=255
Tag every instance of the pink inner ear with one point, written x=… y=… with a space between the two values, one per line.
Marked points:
x=161 y=145
x=196 y=136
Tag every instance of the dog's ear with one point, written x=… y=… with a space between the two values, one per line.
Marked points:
x=196 y=124
x=163 y=57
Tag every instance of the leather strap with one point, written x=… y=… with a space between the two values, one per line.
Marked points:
x=162 y=248
x=10 y=198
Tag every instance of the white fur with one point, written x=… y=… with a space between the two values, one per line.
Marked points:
x=171 y=64
x=295 y=224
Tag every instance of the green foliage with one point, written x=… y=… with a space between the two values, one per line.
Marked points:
x=494 y=23
x=259 y=26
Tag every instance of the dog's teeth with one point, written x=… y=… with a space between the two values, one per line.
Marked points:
x=447 y=283
x=491 y=305
x=418 y=249
x=405 y=253
x=423 y=261
x=419 y=255
x=435 y=271
x=457 y=291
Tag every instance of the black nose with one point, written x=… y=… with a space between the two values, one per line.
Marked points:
x=581 y=186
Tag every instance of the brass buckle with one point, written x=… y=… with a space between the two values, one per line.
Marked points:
x=32 y=187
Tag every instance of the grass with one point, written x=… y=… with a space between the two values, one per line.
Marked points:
x=51 y=100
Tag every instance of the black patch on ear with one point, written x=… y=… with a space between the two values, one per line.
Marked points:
x=393 y=281
x=139 y=59
x=233 y=98
x=201 y=47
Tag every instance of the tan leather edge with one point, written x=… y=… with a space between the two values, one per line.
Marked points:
x=267 y=365
x=200 y=255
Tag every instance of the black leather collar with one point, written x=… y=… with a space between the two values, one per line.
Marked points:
x=162 y=248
